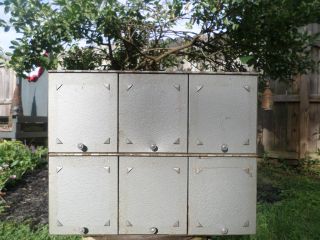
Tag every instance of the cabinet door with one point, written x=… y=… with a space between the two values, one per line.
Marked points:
x=153 y=112
x=223 y=113
x=83 y=195
x=153 y=195
x=222 y=196
x=83 y=112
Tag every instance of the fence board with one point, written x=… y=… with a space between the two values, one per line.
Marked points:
x=282 y=122
x=318 y=75
x=7 y=85
x=293 y=128
x=314 y=126
x=314 y=76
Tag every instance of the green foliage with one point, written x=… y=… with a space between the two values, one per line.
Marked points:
x=16 y=159
x=10 y=231
x=77 y=58
x=229 y=35
x=271 y=32
x=310 y=165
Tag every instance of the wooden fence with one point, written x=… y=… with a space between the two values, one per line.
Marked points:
x=292 y=129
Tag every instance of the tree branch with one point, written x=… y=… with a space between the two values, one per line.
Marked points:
x=177 y=49
x=138 y=49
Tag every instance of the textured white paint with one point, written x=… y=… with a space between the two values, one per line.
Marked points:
x=83 y=194
x=152 y=111
x=222 y=195
x=153 y=194
x=222 y=111
x=84 y=111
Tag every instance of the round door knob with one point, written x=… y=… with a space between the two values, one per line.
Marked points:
x=154 y=148
x=154 y=230
x=224 y=231
x=82 y=147
x=224 y=148
x=84 y=230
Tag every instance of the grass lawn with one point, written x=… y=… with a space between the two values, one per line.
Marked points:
x=15 y=231
x=291 y=210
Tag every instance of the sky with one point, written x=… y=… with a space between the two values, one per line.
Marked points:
x=6 y=37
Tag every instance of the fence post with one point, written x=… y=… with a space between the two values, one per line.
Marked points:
x=304 y=114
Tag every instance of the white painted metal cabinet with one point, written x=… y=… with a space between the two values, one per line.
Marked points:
x=83 y=110
x=153 y=195
x=152 y=153
x=223 y=113
x=83 y=195
x=153 y=112
x=222 y=196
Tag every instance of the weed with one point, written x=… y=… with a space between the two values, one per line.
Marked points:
x=16 y=159
x=309 y=166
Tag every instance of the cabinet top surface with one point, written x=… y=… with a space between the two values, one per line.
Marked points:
x=155 y=72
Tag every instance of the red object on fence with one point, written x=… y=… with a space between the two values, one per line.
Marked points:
x=34 y=75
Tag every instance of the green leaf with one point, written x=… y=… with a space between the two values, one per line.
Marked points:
x=14 y=163
x=6 y=9
x=13 y=42
x=2 y=22
x=235 y=26
x=246 y=59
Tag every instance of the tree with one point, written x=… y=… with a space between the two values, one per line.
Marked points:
x=143 y=35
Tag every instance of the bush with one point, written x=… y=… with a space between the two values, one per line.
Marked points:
x=16 y=159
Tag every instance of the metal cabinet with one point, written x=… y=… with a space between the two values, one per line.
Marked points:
x=83 y=112
x=153 y=195
x=152 y=153
x=223 y=113
x=222 y=196
x=153 y=112
x=83 y=195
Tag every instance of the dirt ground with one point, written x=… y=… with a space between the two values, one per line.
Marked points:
x=27 y=200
